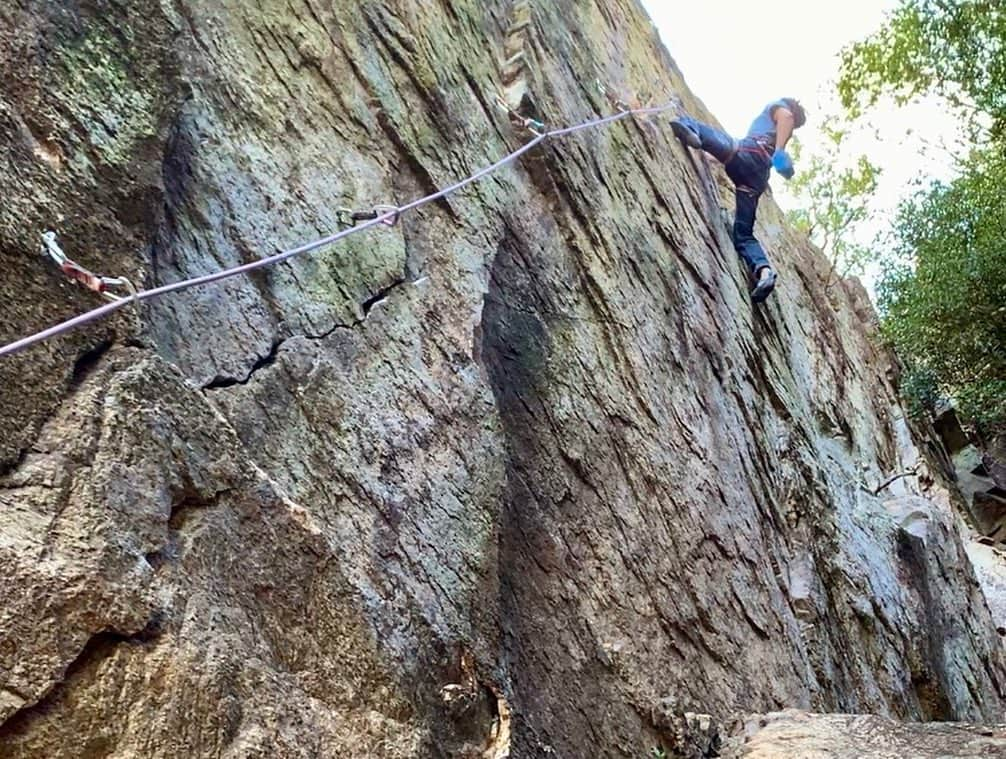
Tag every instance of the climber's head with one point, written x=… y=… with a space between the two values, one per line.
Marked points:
x=799 y=114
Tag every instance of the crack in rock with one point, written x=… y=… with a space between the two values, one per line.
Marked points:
x=100 y=646
x=221 y=381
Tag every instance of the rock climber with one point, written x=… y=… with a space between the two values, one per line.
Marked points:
x=748 y=163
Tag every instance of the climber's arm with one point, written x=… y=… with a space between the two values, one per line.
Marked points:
x=784 y=125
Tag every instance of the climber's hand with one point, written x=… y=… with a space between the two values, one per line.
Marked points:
x=783 y=163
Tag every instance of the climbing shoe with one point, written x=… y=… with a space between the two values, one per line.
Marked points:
x=686 y=134
x=765 y=284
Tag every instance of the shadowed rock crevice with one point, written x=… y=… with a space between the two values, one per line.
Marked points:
x=87 y=362
x=261 y=362
x=100 y=647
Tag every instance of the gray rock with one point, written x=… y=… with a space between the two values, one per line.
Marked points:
x=531 y=448
x=799 y=735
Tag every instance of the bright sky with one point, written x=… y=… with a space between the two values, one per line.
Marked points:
x=737 y=56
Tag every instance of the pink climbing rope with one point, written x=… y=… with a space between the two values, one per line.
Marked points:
x=391 y=215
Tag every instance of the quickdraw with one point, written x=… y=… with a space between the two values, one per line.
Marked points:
x=616 y=102
x=535 y=127
x=347 y=217
x=635 y=106
x=83 y=276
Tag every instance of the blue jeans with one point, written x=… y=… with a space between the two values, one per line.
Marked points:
x=748 y=165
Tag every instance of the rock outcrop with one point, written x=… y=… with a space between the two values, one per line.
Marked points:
x=796 y=735
x=524 y=475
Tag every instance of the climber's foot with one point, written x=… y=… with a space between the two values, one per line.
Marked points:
x=686 y=134
x=765 y=284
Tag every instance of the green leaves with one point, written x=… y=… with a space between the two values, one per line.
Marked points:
x=952 y=48
x=943 y=293
x=835 y=194
x=943 y=290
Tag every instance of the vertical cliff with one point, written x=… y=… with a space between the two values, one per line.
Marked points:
x=525 y=473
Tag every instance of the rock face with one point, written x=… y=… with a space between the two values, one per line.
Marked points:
x=524 y=475
x=797 y=735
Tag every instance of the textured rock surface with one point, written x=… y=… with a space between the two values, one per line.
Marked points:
x=524 y=473
x=798 y=735
x=989 y=562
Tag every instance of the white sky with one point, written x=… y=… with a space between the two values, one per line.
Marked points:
x=737 y=55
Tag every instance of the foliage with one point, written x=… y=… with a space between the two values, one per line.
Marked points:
x=835 y=194
x=943 y=293
x=952 y=48
x=920 y=390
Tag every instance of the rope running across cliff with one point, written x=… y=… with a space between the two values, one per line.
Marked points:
x=387 y=215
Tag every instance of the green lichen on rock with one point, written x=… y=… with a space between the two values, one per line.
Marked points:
x=108 y=92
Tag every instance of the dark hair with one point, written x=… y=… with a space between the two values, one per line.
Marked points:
x=799 y=114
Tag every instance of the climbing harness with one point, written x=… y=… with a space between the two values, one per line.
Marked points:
x=86 y=277
x=384 y=215
x=388 y=215
x=759 y=146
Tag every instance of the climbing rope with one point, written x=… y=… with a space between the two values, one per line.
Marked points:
x=380 y=215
